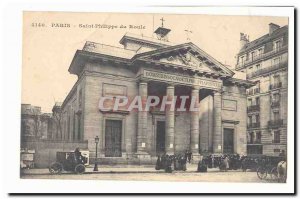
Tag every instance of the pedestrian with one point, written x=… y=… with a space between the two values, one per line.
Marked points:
x=212 y=161
x=226 y=162
x=189 y=155
x=158 y=163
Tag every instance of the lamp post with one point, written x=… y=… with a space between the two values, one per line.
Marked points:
x=96 y=142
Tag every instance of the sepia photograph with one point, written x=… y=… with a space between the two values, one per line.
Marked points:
x=154 y=100
x=143 y=96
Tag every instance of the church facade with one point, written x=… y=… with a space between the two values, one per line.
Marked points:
x=154 y=67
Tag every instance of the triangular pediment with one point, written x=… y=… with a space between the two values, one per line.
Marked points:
x=187 y=56
x=186 y=60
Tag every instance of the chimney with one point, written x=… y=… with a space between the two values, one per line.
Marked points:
x=273 y=27
x=244 y=39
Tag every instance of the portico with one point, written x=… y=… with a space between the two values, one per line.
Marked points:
x=169 y=83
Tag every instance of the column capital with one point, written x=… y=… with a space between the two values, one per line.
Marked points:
x=142 y=82
x=217 y=92
x=196 y=87
x=171 y=86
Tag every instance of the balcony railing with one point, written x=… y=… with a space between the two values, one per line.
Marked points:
x=261 y=56
x=253 y=91
x=254 y=125
x=268 y=69
x=254 y=142
x=275 y=123
x=275 y=86
x=275 y=104
x=253 y=108
x=276 y=141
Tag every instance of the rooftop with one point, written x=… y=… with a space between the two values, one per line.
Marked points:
x=108 y=50
x=150 y=40
x=261 y=40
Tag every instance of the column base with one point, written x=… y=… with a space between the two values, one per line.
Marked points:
x=143 y=155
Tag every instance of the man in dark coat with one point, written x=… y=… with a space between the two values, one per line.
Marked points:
x=189 y=155
x=77 y=155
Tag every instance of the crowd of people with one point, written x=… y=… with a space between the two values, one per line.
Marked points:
x=224 y=162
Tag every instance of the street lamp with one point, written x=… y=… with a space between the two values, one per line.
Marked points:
x=96 y=142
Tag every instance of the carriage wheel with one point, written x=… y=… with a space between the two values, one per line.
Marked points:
x=55 y=168
x=79 y=169
x=274 y=174
x=261 y=173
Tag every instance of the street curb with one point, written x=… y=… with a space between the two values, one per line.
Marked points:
x=111 y=172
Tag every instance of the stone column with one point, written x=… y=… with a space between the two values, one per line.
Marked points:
x=217 y=124
x=195 y=122
x=142 y=119
x=170 y=122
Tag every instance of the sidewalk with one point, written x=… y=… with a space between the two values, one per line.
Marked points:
x=110 y=169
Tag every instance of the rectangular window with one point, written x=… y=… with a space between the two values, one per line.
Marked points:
x=253 y=54
x=276 y=79
x=250 y=120
x=258 y=137
x=277 y=45
x=79 y=126
x=242 y=60
x=250 y=69
x=251 y=134
x=258 y=66
x=69 y=126
x=257 y=119
x=276 y=116
x=257 y=100
x=80 y=98
x=249 y=102
x=260 y=52
x=276 y=136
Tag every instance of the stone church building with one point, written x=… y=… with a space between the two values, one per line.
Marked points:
x=148 y=66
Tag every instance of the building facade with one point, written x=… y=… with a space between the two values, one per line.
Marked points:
x=147 y=66
x=35 y=125
x=265 y=62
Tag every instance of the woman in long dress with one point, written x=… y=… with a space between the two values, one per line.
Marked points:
x=226 y=162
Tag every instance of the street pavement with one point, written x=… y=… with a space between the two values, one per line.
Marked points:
x=143 y=173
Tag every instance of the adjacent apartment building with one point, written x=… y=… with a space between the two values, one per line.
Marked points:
x=265 y=62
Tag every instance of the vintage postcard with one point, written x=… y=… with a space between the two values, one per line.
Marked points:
x=155 y=97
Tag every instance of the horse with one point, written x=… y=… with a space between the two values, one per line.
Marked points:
x=281 y=170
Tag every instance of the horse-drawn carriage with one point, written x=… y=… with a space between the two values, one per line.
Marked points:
x=268 y=166
x=68 y=161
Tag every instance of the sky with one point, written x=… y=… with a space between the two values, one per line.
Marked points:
x=48 y=50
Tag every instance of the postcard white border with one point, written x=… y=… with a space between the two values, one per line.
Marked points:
x=12 y=93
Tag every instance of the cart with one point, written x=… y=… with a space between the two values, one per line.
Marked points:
x=268 y=166
x=67 y=161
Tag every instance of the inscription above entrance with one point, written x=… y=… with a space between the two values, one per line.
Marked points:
x=195 y=81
